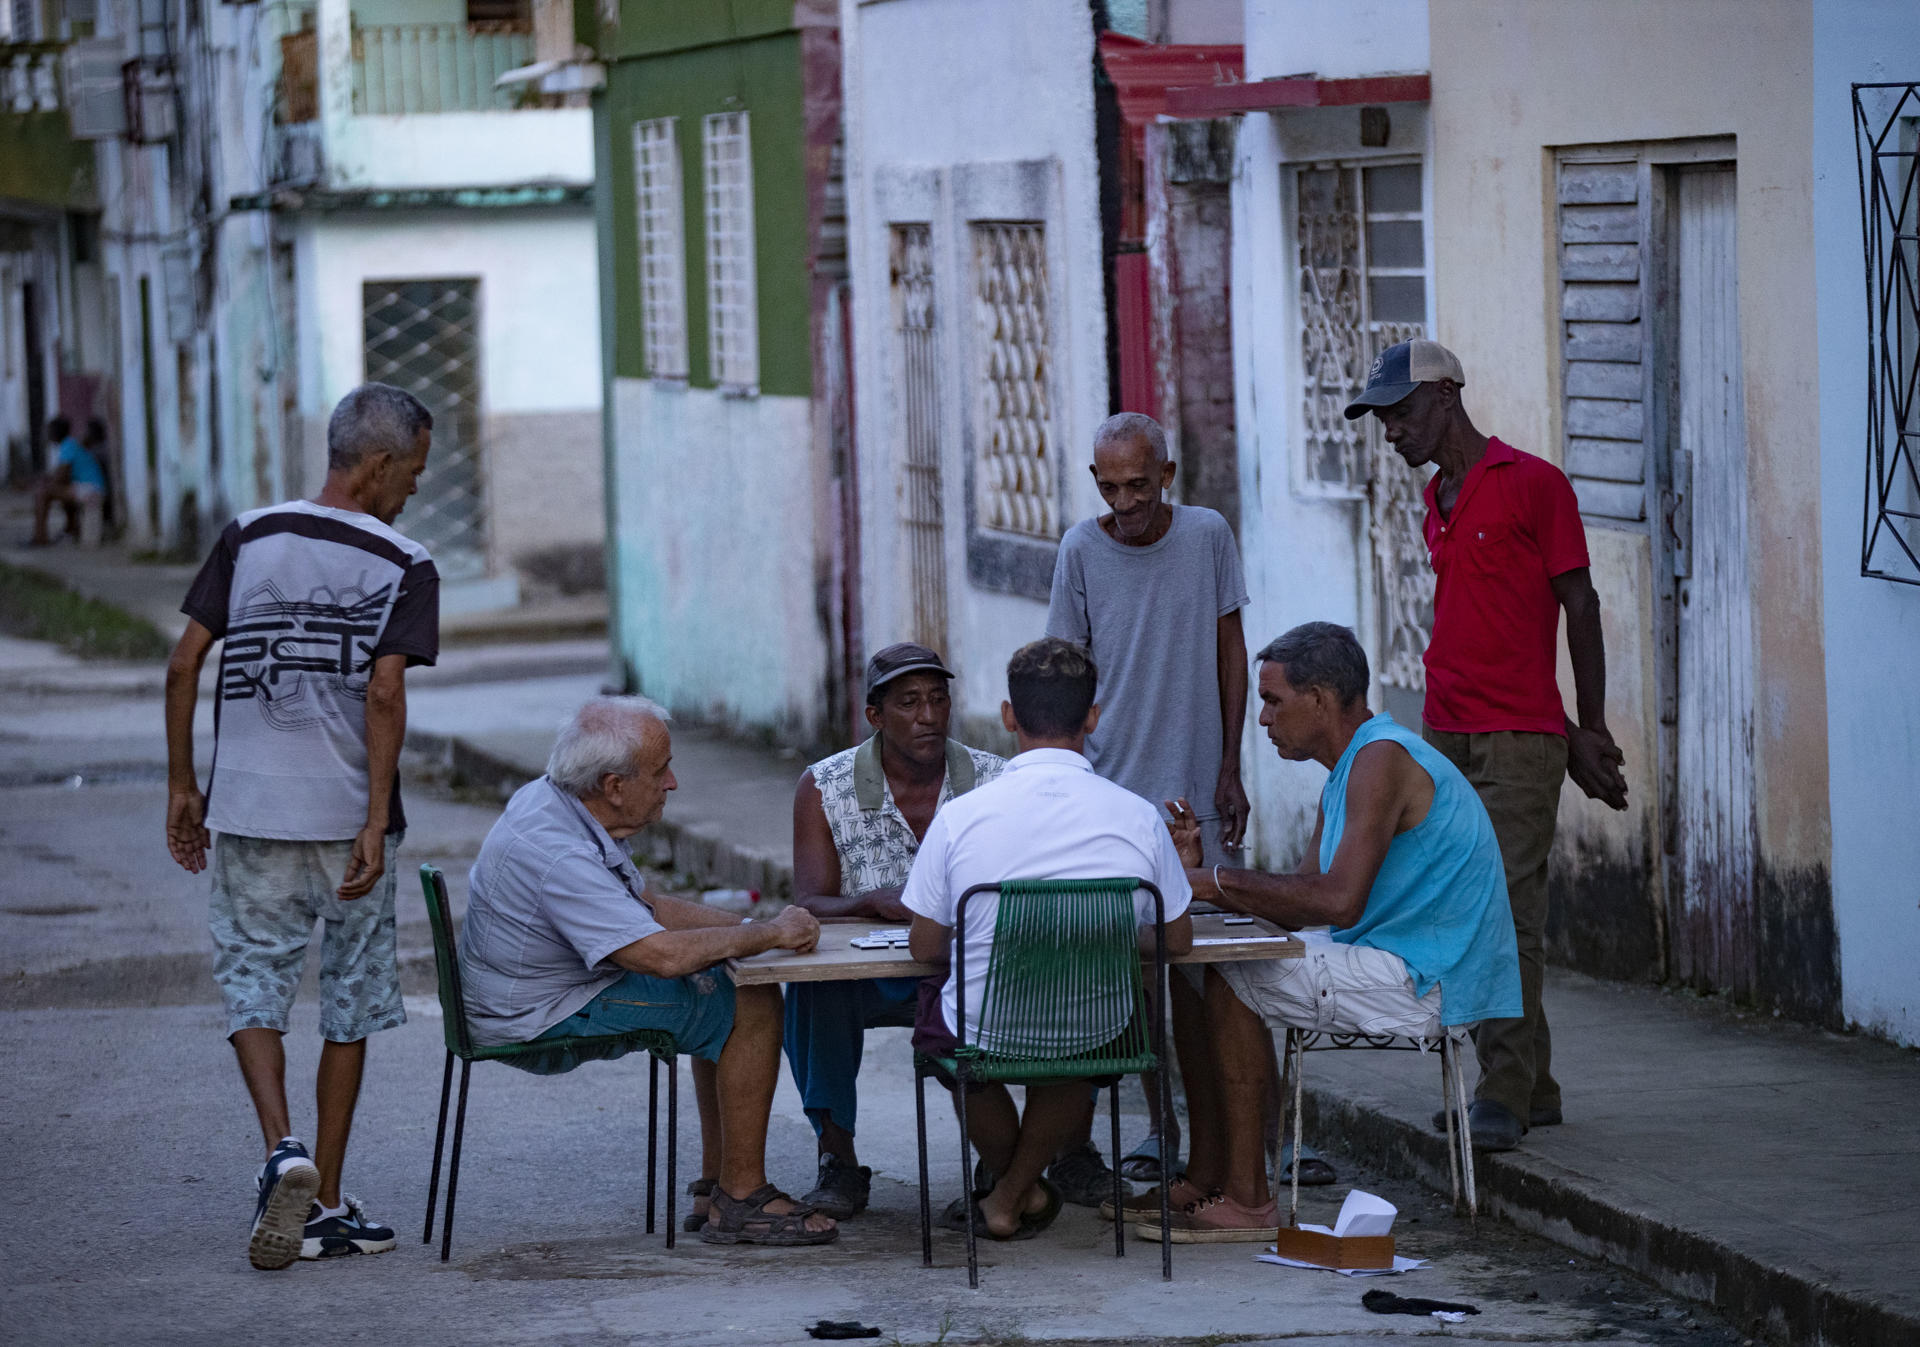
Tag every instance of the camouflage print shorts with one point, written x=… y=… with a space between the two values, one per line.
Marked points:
x=267 y=894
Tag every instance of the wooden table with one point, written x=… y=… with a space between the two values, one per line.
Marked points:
x=835 y=960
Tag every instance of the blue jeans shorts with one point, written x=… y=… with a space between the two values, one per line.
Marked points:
x=697 y=1010
x=267 y=894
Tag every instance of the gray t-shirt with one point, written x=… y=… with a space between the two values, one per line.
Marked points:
x=551 y=896
x=1151 y=617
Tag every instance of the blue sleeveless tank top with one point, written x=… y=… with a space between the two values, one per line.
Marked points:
x=1440 y=899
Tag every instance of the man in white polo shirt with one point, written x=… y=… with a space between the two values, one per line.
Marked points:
x=1047 y=816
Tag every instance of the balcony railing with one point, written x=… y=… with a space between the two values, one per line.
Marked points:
x=29 y=77
x=436 y=67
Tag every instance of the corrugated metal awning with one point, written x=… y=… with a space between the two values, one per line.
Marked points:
x=1296 y=91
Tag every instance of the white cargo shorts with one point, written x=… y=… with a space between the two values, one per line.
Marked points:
x=1336 y=989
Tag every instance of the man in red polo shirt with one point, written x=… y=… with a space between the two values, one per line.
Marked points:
x=1504 y=532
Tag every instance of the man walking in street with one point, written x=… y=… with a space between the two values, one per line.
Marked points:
x=322 y=606
x=858 y=818
x=1154 y=590
x=1510 y=554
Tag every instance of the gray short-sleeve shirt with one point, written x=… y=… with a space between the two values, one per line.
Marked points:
x=549 y=899
x=1150 y=615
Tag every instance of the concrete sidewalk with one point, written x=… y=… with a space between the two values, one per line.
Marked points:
x=1759 y=1166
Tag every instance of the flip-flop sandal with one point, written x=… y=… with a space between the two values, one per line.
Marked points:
x=693 y=1220
x=1142 y=1163
x=732 y=1219
x=1314 y=1172
x=1033 y=1222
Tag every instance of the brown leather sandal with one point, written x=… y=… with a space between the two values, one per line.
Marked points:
x=698 y=1189
x=746 y=1220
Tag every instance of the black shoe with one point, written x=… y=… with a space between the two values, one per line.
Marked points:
x=342 y=1236
x=843 y=1188
x=1495 y=1128
x=1544 y=1115
x=286 y=1187
x=1083 y=1177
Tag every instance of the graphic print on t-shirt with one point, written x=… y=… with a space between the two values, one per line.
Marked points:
x=306 y=599
x=278 y=649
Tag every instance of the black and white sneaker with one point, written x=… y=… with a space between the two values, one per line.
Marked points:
x=286 y=1186
x=339 y=1236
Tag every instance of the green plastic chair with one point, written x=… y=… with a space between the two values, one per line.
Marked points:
x=547 y=1056
x=1059 y=947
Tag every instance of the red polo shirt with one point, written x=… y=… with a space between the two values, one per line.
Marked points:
x=1490 y=664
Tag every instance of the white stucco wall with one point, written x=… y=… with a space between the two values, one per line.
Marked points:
x=1872 y=626
x=462 y=149
x=944 y=141
x=539 y=299
x=1335 y=39
x=718 y=610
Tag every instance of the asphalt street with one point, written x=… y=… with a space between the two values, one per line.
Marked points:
x=130 y=1149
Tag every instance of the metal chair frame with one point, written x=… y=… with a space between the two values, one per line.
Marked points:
x=963 y=1071
x=1453 y=1101
x=460 y=1044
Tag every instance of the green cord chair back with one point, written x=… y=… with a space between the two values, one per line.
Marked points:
x=1063 y=995
x=446 y=967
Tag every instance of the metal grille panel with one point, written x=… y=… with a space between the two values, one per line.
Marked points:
x=919 y=409
x=424 y=336
x=1887 y=139
x=1016 y=479
x=662 y=249
x=733 y=341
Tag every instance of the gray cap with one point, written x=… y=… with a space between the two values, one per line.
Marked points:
x=899 y=659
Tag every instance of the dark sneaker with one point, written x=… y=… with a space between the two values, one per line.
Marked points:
x=1083 y=1177
x=286 y=1187
x=1545 y=1115
x=341 y=1236
x=842 y=1190
x=1495 y=1128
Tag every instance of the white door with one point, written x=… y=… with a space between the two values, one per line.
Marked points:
x=1712 y=902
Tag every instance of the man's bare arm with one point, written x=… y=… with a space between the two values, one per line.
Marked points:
x=1378 y=796
x=386 y=730
x=187 y=836
x=1230 y=796
x=677 y=914
x=1593 y=759
x=675 y=954
x=816 y=865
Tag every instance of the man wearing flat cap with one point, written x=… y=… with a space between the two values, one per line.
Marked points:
x=1509 y=555
x=858 y=818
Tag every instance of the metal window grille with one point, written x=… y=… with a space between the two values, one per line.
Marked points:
x=1886 y=121
x=733 y=339
x=1016 y=481
x=663 y=285
x=424 y=336
x=1363 y=287
x=919 y=409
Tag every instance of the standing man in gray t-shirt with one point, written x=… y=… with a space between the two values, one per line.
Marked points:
x=1154 y=590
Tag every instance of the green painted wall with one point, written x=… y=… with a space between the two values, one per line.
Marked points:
x=382 y=12
x=41 y=162
x=654 y=27
x=762 y=76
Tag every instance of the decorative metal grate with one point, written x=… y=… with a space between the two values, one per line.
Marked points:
x=733 y=341
x=424 y=336
x=662 y=249
x=1886 y=121
x=1016 y=480
x=1362 y=289
x=921 y=515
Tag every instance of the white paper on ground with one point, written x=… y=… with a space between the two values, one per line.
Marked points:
x=1450 y=1316
x=1363 y=1214
x=1399 y=1265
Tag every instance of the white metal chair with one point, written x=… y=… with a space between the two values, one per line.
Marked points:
x=1453 y=1100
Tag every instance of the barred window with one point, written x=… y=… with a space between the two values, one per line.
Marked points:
x=662 y=249
x=733 y=339
x=1016 y=479
x=1886 y=120
x=1363 y=287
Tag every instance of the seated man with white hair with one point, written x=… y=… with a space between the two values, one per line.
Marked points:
x=562 y=937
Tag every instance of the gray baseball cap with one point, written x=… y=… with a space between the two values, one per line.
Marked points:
x=1400 y=369
x=899 y=659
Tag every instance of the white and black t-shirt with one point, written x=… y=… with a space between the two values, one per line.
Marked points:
x=305 y=599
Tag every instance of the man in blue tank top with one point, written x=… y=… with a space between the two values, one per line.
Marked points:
x=1405 y=873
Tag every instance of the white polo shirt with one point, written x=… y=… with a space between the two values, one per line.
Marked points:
x=1047 y=816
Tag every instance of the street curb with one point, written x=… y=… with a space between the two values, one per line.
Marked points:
x=708 y=859
x=1774 y=1304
